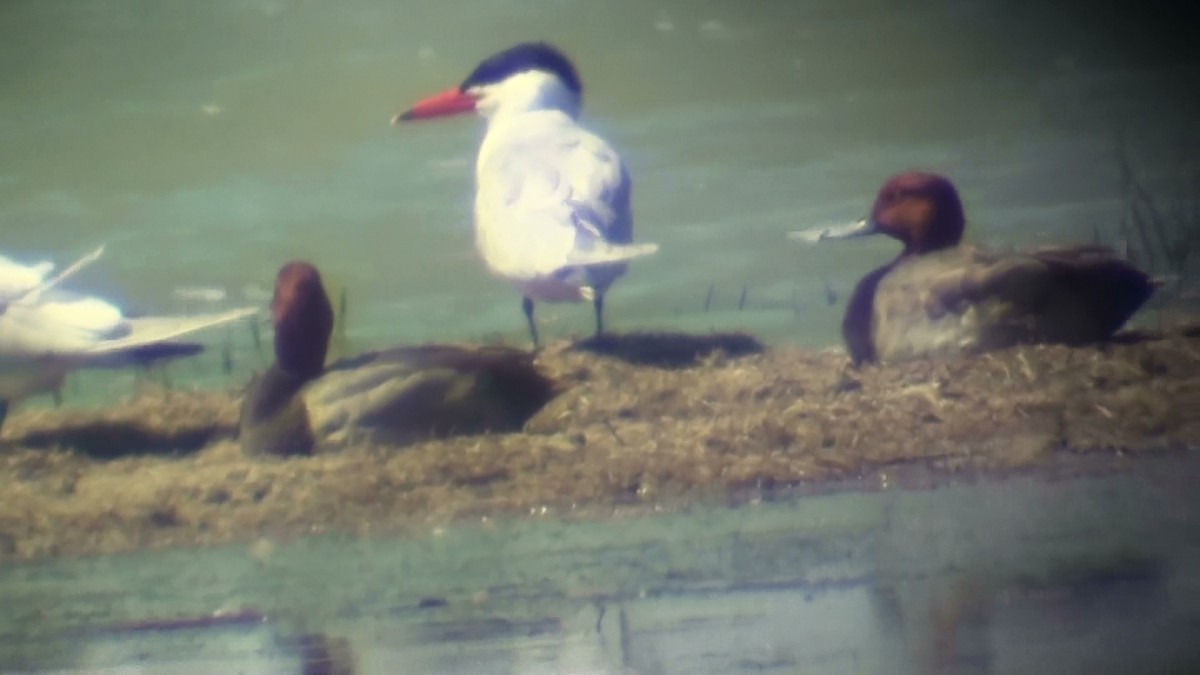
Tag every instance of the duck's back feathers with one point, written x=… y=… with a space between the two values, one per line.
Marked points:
x=968 y=299
x=397 y=396
x=405 y=393
x=1109 y=288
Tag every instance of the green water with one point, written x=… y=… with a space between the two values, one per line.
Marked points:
x=207 y=143
x=1090 y=575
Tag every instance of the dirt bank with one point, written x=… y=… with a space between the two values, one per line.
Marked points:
x=645 y=420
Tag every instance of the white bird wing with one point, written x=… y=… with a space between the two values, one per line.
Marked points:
x=559 y=194
x=25 y=283
x=38 y=331
x=16 y=279
x=67 y=312
x=149 y=330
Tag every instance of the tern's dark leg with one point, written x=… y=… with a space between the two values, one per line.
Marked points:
x=3 y=411
x=527 y=306
x=598 y=304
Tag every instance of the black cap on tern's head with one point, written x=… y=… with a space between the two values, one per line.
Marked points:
x=525 y=57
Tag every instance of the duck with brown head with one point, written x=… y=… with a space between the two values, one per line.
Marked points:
x=940 y=296
x=395 y=396
x=303 y=319
x=922 y=210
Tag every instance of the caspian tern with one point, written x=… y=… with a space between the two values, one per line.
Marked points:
x=45 y=332
x=552 y=199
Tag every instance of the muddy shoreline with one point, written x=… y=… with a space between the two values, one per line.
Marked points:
x=645 y=421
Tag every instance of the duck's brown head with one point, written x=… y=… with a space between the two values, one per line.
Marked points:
x=920 y=209
x=303 y=318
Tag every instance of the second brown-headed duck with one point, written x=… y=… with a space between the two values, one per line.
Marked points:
x=942 y=296
x=393 y=396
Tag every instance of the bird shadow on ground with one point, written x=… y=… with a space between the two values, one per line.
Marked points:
x=126 y=438
x=669 y=350
x=155 y=422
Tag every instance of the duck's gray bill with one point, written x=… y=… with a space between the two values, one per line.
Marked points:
x=846 y=231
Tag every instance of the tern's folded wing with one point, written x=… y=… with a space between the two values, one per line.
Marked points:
x=548 y=166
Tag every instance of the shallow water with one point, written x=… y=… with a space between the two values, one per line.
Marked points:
x=209 y=143
x=1024 y=574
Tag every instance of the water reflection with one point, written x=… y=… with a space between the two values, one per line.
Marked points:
x=1025 y=574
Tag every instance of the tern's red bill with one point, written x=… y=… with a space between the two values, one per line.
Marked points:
x=449 y=102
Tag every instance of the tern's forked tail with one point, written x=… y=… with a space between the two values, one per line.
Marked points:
x=610 y=253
